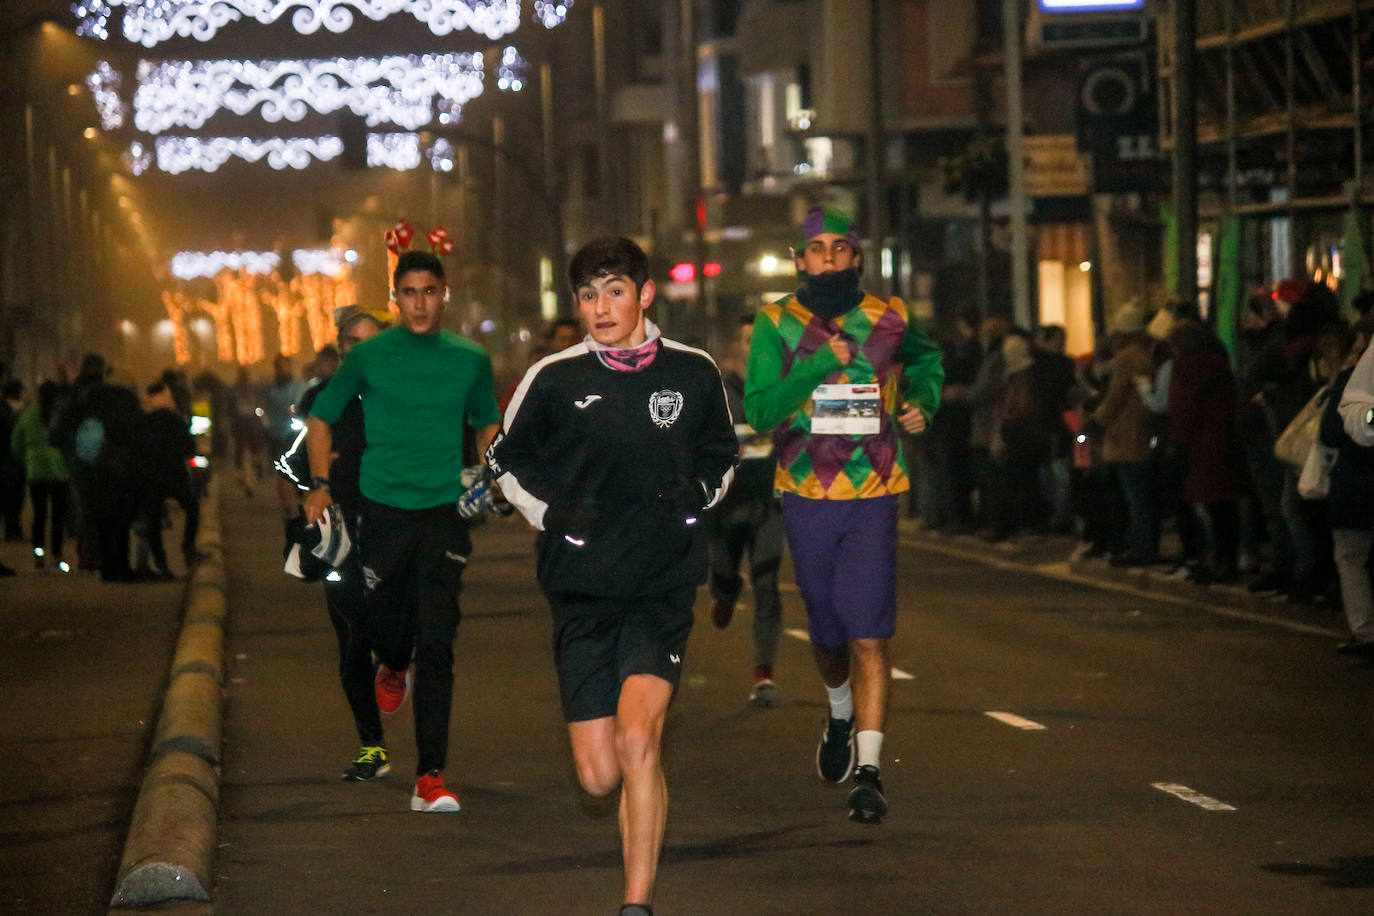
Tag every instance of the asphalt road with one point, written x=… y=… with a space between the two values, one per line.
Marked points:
x=83 y=667
x=986 y=816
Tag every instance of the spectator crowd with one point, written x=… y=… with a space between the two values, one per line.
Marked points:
x=1163 y=435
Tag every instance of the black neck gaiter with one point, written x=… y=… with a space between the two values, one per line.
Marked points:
x=831 y=294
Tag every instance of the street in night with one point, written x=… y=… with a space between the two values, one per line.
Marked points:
x=1054 y=805
x=686 y=456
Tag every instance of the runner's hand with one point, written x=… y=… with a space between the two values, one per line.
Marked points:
x=316 y=501
x=912 y=420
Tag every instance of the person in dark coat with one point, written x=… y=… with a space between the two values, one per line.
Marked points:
x=166 y=446
x=97 y=432
x=11 y=465
x=1202 y=422
x=1350 y=510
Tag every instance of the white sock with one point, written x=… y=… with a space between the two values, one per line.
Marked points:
x=841 y=701
x=870 y=747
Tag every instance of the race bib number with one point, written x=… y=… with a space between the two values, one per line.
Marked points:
x=845 y=410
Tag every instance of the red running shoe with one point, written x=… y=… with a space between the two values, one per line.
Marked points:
x=430 y=794
x=391 y=689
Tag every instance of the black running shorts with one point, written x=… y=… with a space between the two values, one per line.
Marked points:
x=599 y=642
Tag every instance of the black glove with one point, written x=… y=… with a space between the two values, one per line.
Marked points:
x=685 y=498
x=576 y=520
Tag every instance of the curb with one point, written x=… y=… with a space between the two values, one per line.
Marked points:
x=171 y=837
x=1049 y=562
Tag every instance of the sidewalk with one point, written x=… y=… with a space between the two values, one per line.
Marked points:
x=1056 y=556
x=83 y=667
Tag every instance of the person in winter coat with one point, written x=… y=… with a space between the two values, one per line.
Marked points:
x=1350 y=509
x=1202 y=423
x=167 y=446
x=46 y=471
x=1125 y=423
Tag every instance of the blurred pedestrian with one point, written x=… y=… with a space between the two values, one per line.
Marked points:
x=47 y=475
x=1202 y=416
x=11 y=464
x=1350 y=502
x=282 y=426
x=97 y=430
x=249 y=436
x=166 y=450
x=1056 y=392
x=982 y=398
x=749 y=520
x=1020 y=441
x=1125 y=423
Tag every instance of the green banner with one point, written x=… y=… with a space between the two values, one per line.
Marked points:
x=1226 y=291
x=1169 y=217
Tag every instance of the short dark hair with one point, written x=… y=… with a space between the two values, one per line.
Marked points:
x=416 y=260
x=609 y=257
x=13 y=388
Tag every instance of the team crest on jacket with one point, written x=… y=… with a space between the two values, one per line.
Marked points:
x=665 y=407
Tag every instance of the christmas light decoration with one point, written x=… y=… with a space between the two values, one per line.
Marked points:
x=246 y=284
x=104 y=83
x=149 y=22
x=137 y=159
x=179 y=154
x=327 y=261
x=510 y=72
x=395 y=90
x=440 y=155
x=191 y=265
x=394 y=151
x=552 y=13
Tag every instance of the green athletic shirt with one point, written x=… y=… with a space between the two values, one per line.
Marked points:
x=417 y=391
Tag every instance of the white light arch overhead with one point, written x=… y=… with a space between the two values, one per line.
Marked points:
x=400 y=90
x=182 y=154
x=149 y=22
x=191 y=265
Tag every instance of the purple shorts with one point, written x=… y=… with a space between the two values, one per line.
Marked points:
x=845 y=555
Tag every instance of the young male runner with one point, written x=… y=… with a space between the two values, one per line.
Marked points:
x=612 y=449
x=419 y=386
x=835 y=371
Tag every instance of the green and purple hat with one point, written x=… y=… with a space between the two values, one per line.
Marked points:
x=821 y=220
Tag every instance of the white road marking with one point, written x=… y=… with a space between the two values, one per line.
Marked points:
x=1016 y=721
x=897 y=673
x=1192 y=797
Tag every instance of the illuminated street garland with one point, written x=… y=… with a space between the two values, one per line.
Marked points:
x=510 y=73
x=149 y=22
x=396 y=90
x=137 y=158
x=192 y=265
x=180 y=154
x=327 y=261
x=394 y=151
x=104 y=83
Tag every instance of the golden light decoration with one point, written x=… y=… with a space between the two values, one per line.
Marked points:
x=177 y=306
x=242 y=297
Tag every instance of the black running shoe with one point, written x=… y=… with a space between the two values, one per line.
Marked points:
x=835 y=753
x=371 y=763
x=636 y=909
x=866 y=802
